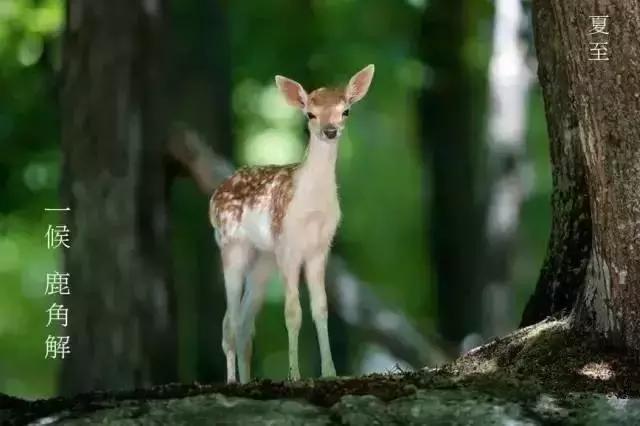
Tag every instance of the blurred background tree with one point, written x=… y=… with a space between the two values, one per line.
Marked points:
x=200 y=92
x=114 y=128
x=414 y=170
x=452 y=112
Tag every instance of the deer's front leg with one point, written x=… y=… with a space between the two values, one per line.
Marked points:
x=292 y=313
x=315 y=271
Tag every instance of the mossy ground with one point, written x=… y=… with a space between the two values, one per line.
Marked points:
x=548 y=358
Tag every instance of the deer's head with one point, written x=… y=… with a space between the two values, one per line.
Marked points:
x=326 y=109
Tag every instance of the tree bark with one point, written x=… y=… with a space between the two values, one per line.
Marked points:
x=593 y=110
x=569 y=245
x=113 y=141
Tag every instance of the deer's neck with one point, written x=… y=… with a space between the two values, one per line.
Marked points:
x=318 y=169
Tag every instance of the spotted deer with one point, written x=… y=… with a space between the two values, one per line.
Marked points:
x=286 y=217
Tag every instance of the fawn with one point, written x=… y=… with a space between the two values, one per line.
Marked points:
x=285 y=217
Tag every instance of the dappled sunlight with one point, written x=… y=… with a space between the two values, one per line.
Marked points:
x=536 y=330
x=274 y=108
x=29 y=50
x=597 y=371
x=29 y=180
x=273 y=146
x=270 y=130
x=30 y=23
x=418 y=4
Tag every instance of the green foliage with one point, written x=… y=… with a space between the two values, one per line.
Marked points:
x=29 y=169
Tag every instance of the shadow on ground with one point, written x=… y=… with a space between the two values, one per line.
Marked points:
x=543 y=374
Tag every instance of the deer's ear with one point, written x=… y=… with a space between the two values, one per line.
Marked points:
x=293 y=92
x=359 y=84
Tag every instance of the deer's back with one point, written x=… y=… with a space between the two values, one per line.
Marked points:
x=252 y=203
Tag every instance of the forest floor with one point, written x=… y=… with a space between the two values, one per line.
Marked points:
x=543 y=374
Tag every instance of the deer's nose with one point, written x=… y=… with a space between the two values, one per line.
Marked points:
x=330 y=132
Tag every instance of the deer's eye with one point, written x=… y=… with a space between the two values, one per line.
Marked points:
x=311 y=116
x=345 y=113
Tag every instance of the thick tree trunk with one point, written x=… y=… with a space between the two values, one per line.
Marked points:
x=447 y=133
x=609 y=131
x=564 y=268
x=121 y=315
x=593 y=111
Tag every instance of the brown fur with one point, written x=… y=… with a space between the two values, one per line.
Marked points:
x=325 y=96
x=269 y=185
x=251 y=186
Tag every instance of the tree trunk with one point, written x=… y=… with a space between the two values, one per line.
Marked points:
x=509 y=81
x=447 y=132
x=564 y=268
x=200 y=77
x=592 y=111
x=121 y=315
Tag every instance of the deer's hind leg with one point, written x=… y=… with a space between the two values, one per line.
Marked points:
x=236 y=256
x=260 y=272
